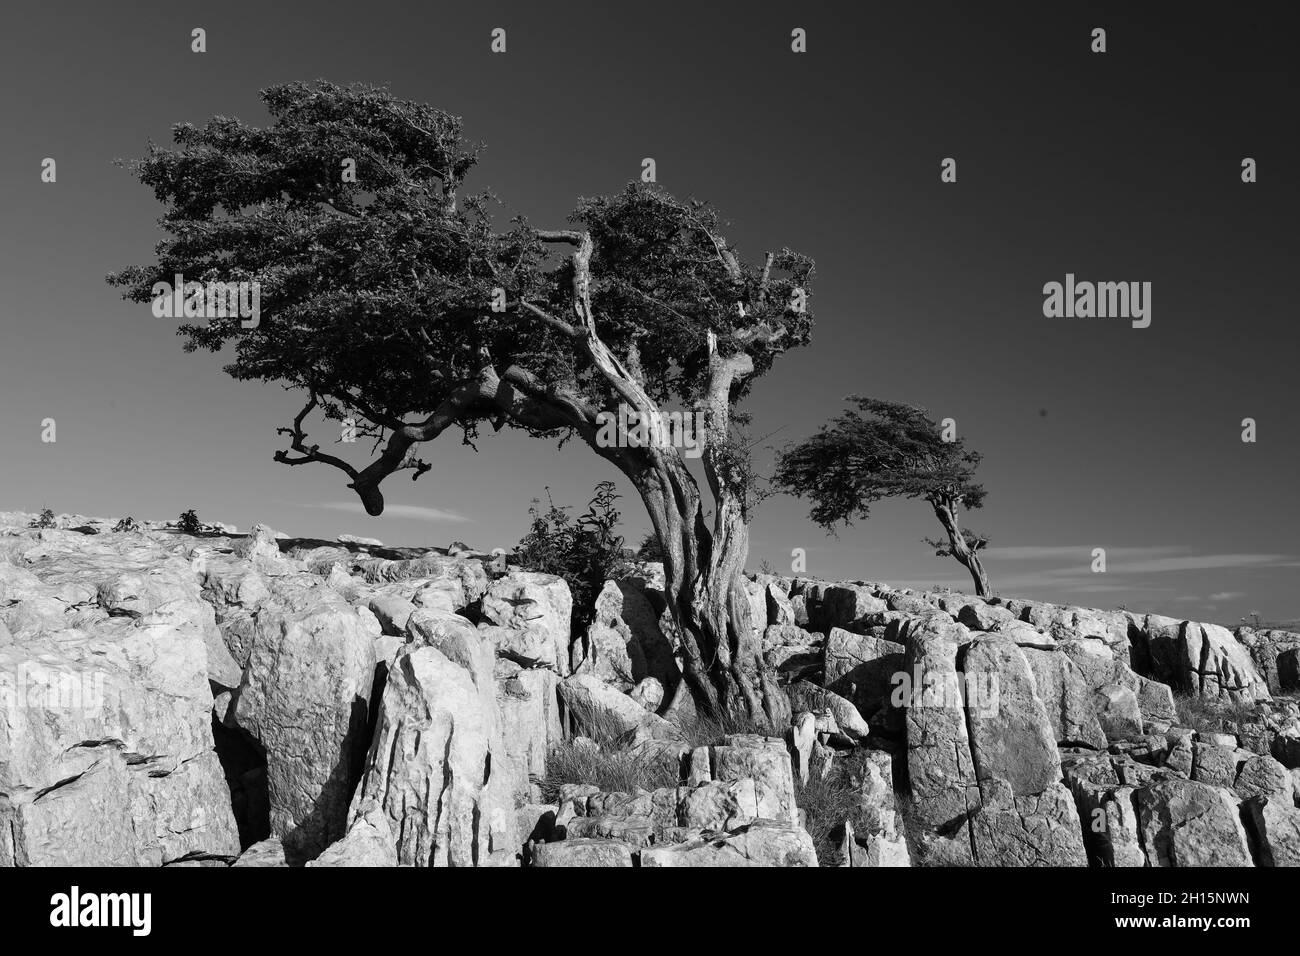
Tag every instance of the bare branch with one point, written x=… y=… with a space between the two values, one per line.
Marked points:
x=308 y=453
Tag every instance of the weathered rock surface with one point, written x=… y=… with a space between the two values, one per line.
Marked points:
x=537 y=605
x=940 y=768
x=1276 y=655
x=602 y=711
x=369 y=842
x=764 y=760
x=625 y=643
x=106 y=748
x=861 y=668
x=583 y=852
x=1185 y=823
x=431 y=767
x=762 y=843
x=305 y=701
x=1275 y=822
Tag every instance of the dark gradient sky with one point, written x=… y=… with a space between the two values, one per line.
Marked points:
x=1123 y=166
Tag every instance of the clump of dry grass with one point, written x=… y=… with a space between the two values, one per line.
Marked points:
x=607 y=757
x=1208 y=715
x=613 y=768
x=703 y=731
x=826 y=803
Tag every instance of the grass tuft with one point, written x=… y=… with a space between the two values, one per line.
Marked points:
x=1209 y=715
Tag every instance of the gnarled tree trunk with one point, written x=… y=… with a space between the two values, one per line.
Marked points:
x=703 y=568
x=959 y=549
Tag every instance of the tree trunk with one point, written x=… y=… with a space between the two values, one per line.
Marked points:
x=703 y=568
x=959 y=549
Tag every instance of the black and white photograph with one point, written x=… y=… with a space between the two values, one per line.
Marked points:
x=754 y=435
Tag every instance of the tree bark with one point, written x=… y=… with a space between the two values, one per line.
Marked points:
x=703 y=579
x=957 y=546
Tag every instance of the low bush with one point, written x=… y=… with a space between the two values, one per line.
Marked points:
x=188 y=523
x=586 y=551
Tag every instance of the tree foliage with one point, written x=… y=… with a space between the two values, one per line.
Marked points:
x=880 y=449
x=376 y=294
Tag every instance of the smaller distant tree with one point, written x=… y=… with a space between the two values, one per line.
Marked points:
x=886 y=449
x=46 y=519
x=189 y=523
x=126 y=524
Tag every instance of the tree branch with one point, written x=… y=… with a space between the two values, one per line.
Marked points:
x=308 y=453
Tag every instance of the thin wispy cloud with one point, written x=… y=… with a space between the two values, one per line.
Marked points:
x=1202 y=563
x=1153 y=560
x=414 y=512
x=1082 y=552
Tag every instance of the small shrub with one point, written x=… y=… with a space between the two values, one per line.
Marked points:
x=586 y=551
x=126 y=524
x=188 y=523
x=650 y=549
x=46 y=519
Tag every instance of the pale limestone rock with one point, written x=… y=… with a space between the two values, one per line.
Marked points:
x=108 y=733
x=649 y=693
x=803 y=735
x=305 y=700
x=626 y=643
x=807 y=696
x=369 y=842
x=1038 y=829
x=762 y=843
x=538 y=605
x=764 y=760
x=861 y=668
x=1184 y=823
x=530 y=721
x=845 y=606
x=603 y=711
x=940 y=769
x=1275 y=821
x=583 y=852
x=267 y=853
x=1217 y=665
x=431 y=767
x=984 y=617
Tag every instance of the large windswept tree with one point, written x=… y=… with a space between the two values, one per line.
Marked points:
x=399 y=301
x=888 y=450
